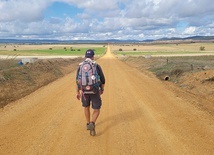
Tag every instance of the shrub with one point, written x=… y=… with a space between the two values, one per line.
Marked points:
x=120 y=49
x=177 y=72
x=202 y=48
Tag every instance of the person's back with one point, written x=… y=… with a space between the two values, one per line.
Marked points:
x=90 y=85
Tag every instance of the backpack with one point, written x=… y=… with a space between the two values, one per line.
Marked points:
x=88 y=78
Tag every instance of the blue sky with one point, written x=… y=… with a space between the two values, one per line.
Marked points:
x=101 y=20
x=61 y=10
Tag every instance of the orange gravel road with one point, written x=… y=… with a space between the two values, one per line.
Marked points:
x=139 y=116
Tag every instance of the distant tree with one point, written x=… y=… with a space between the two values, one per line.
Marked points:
x=120 y=49
x=202 y=48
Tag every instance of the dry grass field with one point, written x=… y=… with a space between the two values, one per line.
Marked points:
x=181 y=49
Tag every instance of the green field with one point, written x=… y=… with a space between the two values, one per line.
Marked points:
x=51 y=51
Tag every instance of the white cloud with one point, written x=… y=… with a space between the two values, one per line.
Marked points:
x=104 y=19
x=141 y=35
x=190 y=30
x=26 y=11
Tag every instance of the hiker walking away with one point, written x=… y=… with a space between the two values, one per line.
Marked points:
x=90 y=85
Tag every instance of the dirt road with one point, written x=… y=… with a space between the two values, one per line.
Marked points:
x=139 y=116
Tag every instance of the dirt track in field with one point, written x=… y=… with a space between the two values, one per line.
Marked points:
x=139 y=116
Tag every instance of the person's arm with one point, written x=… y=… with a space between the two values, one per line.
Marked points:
x=78 y=95
x=102 y=77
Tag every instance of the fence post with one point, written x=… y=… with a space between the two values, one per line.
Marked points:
x=192 y=67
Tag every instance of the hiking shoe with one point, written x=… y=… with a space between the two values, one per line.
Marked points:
x=87 y=126
x=92 y=128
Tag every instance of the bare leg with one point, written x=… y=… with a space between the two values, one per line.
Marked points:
x=95 y=115
x=87 y=114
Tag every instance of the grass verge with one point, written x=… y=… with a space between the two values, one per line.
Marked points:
x=18 y=81
x=172 y=66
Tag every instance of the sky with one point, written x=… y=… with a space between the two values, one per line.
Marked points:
x=105 y=19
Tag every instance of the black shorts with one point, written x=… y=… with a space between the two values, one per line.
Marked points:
x=95 y=99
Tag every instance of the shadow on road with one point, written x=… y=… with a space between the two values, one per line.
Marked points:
x=125 y=118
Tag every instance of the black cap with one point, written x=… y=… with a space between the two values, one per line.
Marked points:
x=89 y=53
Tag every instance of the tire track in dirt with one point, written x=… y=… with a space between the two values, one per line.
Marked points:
x=139 y=116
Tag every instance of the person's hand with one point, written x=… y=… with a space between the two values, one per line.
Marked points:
x=78 y=95
x=101 y=91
